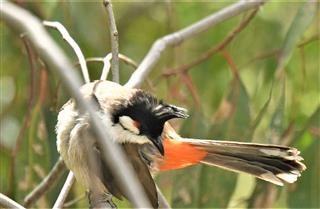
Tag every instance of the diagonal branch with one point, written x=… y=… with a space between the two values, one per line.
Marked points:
x=206 y=55
x=163 y=203
x=74 y=201
x=64 y=191
x=23 y=21
x=46 y=184
x=122 y=57
x=66 y=36
x=114 y=36
x=178 y=37
x=6 y=202
x=26 y=120
x=106 y=67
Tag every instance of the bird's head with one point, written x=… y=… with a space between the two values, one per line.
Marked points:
x=143 y=116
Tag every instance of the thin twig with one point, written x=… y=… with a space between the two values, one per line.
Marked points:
x=178 y=37
x=30 y=106
x=23 y=21
x=64 y=191
x=314 y=37
x=66 y=36
x=74 y=201
x=6 y=202
x=114 y=36
x=264 y=55
x=128 y=61
x=303 y=63
x=163 y=203
x=106 y=63
x=232 y=65
x=222 y=45
x=122 y=57
x=46 y=184
x=189 y=84
x=106 y=67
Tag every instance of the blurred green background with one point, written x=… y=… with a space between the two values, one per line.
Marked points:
x=262 y=87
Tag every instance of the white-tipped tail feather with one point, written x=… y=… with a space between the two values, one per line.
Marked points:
x=272 y=163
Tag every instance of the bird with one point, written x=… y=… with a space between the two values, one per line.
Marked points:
x=139 y=123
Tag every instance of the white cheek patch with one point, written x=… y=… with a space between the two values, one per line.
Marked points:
x=129 y=124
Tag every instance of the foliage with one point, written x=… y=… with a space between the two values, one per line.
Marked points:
x=263 y=87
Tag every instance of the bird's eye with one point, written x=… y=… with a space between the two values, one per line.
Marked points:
x=130 y=124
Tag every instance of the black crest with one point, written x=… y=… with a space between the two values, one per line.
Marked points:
x=150 y=112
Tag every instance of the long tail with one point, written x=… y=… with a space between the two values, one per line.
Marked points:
x=276 y=164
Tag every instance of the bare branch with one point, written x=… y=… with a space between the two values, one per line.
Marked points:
x=30 y=105
x=314 y=37
x=74 y=201
x=23 y=21
x=261 y=56
x=232 y=65
x=93 y=59
x=163 y=203
x=178 y=37
x=128 y=61
x=9 y=203
x=46 y=183
x=207 y=54
x=106 y=66
x=106 y=63
x=114 y=36
x=66 y=36
x=64 y=191
x=122 y=57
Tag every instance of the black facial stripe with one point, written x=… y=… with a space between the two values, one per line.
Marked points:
x=148 y=111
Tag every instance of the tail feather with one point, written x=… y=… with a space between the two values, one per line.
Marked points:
x=237 y=165
x=276 y=164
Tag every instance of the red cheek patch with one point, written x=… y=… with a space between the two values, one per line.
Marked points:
x=136 y=124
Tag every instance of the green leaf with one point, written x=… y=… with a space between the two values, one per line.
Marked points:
x=260 y=197
x=298 y=26
x=186 y=188
x=305 y=193
x=277 y=121
x=32 y=163
x=5 y=165
x=48 y=7
x=232 y=119
x=260 y=115
x=213 y=187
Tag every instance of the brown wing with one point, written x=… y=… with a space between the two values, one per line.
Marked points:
x=109 y=181
x=142 y=171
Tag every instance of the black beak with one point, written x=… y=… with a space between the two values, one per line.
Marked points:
x=158 y=143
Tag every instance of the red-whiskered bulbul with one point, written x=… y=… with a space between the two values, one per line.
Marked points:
x=138 y=121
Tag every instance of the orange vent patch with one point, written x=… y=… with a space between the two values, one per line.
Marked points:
x=180 y=154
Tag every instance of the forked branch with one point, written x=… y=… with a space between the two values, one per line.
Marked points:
x=46 y=183
x=66 y=36
x=114 y=36
x=64 y=191
x=23 y=21
x=6 y=202
x=178 y=37
x=222 y=45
